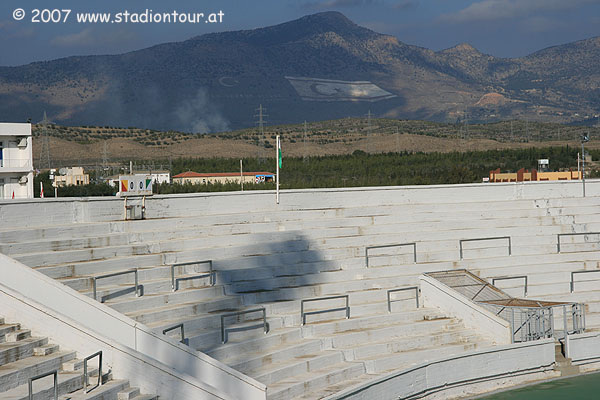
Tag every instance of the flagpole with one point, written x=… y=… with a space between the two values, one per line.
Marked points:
x=277 y=151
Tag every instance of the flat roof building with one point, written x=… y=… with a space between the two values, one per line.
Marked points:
x=16 y=161
x=524 y=175
x=223 y=177
x=74 y=176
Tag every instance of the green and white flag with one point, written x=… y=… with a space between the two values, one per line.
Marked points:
x=280 y=156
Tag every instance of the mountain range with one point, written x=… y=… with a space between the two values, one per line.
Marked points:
x=318 y=67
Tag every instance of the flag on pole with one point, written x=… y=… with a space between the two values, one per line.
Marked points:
x=41 y=191
x=280 y=156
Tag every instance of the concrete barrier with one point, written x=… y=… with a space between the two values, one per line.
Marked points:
x=455 y=371
x=452 y=303
x=583 y=348
x=46 y=212
x=125 y=332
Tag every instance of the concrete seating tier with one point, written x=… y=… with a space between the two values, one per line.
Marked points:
x=275 y=260
x=23 y=356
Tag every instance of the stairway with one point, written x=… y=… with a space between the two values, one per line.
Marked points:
x=23 y=357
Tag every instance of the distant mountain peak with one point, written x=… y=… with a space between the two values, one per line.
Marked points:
x=461 y=48
x=300 y=29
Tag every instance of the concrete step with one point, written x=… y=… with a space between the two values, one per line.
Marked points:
x=324 y=328
x=16 y=350
x=18 y=372
x=405 y=359
x=401 y=344
x=185 y=310
x=209 y=339
x=17 y=335
x=115 y=292
x=107 y=391
x=247 y=362
x=152 y=301
x=314 y=380
x=7 y=328
x=357 y=344
x=299 y=365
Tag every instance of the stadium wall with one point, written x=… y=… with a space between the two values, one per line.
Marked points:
x=64 y=211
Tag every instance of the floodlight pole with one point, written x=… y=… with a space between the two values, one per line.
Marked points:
x=584 y=139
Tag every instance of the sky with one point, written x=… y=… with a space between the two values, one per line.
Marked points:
x=40 y=30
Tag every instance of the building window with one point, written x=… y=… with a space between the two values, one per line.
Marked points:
x=1 y=154
x=1 y=188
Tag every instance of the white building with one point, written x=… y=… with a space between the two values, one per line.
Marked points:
x=74 y=176
x=156 y=176
x=16 y=161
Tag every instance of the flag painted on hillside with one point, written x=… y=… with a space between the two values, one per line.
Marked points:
x=315 y=89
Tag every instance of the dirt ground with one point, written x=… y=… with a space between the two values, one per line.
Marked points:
x=63 y=152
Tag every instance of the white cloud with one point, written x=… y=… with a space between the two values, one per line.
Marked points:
x=490 y=10
x=92 y=37
x=83 y=38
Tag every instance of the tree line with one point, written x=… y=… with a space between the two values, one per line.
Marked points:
x=356 y=169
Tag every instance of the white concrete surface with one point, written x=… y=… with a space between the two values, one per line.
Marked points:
x=16 y=161
x=583 y=348
x=458 y=370
x=451 y=302
x=78 y=210
x=125 y=332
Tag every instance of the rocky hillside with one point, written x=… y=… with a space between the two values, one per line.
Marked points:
x=318 y=67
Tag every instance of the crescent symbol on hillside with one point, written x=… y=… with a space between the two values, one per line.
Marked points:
x=324 y=90
x=228 y=81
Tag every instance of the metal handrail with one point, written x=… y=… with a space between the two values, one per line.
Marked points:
x=390 y=301
x=461 y=241
x=581 y=272
x=223 y=316
x=304 y=314
x=571 y=234
x=501 y=278
x=85 y=371
x=211 y=272
x=180 y=326
x=130 y=271
x=30 y=384
x=414 y=244
x=544 y=317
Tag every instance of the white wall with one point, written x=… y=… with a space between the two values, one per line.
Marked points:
x=73 y=210
x=17 y=161
x=116 y=327
x=458 y=370
x=583 y=348
x=452 y=303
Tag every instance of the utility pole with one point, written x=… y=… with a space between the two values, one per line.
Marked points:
x=511 y=130
x=45 y=144
x=242 y=175
x=261 y=124
x=584 y=139
x=466 y=125
x=105 y=157
x=305 y=155
x=397 y=140
x=369 y=132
